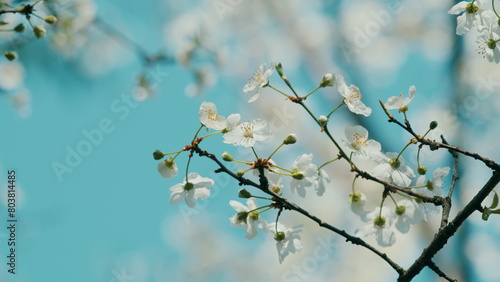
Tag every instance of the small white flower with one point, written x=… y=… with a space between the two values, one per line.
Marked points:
x=247 y=217
x=195 y=188
x=209 y=117
x=394 y=170
x=352 y=97
x=247 y=133
x=167 y=168
x=432 y=188
x=400 y=102
x=321 y=182
x=379 y=224
x=287 y=239
x=489 y=44
x=406 y=213
x=472 y=14
x=305 y=174
x=358 y=142
x=358 y=202
x=259 y=80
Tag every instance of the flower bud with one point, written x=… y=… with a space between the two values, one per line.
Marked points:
x=50 y=19
x=240 y=172
x=39 y=31
x=279 y=236
x=10 y=55
x=243 y=193
x=19 y=28
x=158 y=155
x=290 y=139
x=328 y=80
x=433 y=124
x=422 y=170
x=279 y=69
x=323 y=120
x=227 y=157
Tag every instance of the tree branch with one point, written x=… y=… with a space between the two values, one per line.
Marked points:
x=441 y=238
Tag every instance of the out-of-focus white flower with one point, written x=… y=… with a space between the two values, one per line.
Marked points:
x=11 y=75
x=195 y=188
x=434 y=187
x=305 y=174
x=472 y=14
x=379 y=223
x=489 y=44
x=352 y=97
x=323 y=179
x=393 y=169
x=247 y=217
x=406 y=213
x=358 y=202
x=287 y=239
x=400 y=102
x=358 y=142
x=259 y=80
x=247 y=133
x=209 y=117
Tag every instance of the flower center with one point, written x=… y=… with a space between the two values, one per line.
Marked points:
x=491 y=43
x=355 y=93
x=247 y=130
x=211 y=115
x=259 y=78
x=394 y=163
x=360 y=140
x=471 y=8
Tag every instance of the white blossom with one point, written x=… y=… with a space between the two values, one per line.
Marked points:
x=352 y=97
x=247 y=217
x=305 y=174
x=358 y=142
x=378 y=224
x=472 y=14
x=247 y=133
x=393 y=169
x=209 y=117
x=287 y=239
x=195 y=188
x=400 y=102
x=259 y=80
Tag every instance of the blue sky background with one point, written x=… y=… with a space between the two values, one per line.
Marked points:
x=109 y=216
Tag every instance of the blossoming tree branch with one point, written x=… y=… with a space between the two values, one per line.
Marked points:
x=405 y=199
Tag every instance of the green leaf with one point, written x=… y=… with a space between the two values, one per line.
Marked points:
x=494 y=203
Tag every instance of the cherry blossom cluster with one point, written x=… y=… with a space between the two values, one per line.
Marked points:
x=475 y=15
x=405 y=198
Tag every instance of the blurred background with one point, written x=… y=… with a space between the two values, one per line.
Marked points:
x=82 y=110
